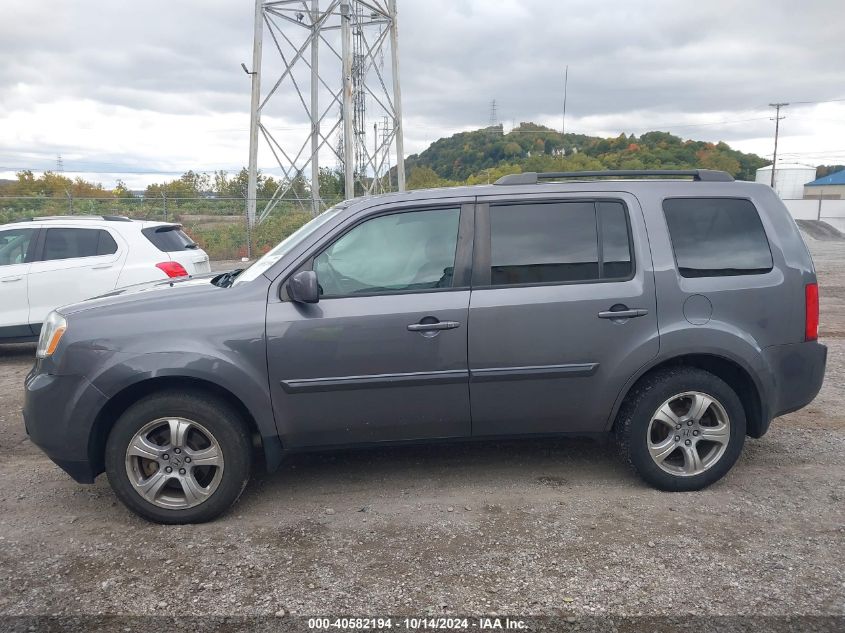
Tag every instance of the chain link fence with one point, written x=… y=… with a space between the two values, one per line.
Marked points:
x=218 y=225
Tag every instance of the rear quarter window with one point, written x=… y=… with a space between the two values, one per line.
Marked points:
x=169 y=238
x=717 y=237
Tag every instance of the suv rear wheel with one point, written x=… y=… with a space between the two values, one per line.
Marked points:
x=178 y=458
x=681 y=429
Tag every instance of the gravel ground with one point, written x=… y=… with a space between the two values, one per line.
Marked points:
x=551 y=527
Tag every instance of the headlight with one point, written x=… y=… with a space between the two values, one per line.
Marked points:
x=51 y=333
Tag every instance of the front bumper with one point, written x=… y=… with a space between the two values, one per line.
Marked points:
x=59 y=414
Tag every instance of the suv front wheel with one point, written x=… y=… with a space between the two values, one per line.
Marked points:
x=681 y=429
x=178 y=457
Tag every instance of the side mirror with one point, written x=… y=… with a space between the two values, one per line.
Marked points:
x=303 y=287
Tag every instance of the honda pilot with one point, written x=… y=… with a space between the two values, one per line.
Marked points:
x=675 y=310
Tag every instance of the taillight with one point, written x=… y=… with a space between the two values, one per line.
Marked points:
x=173 y=269
x=811 y=312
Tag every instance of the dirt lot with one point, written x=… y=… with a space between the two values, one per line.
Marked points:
x=522 y=528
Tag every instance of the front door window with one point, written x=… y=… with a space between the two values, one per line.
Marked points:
x=14 y=245
x=392 y=253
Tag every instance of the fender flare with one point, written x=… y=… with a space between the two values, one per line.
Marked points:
x=722 y=344
x=250 y=389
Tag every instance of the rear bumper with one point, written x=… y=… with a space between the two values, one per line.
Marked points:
x=59 y=413
x=798 y=372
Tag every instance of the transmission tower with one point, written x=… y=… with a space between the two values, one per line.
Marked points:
x=60 y=164
x=327 y=69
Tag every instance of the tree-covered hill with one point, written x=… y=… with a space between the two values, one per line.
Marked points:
x=481 y=154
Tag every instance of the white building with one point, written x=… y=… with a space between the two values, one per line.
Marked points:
x=790 y=179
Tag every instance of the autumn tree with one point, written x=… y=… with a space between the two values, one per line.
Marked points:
x=121 y=190
x=423 y=178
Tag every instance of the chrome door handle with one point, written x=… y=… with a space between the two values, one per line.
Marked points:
x=10 y=279
x=429 y=327
x=622 y=314
x=101 y=267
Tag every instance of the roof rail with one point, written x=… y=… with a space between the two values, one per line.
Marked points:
x=532 y=178
x=107 y=218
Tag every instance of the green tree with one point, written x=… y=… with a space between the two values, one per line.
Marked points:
x=423 y=178
x=331 y=184
x=826 y=170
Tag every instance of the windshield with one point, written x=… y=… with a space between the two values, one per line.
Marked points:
x=283 y=247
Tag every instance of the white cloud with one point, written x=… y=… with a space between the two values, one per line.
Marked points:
x=128 y=86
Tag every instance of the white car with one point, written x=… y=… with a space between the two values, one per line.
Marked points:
x=49 y=262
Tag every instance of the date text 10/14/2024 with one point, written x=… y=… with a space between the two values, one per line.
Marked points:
x=421 y=623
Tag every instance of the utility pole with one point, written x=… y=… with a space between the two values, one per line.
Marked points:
x=386 y=135
x=255 y=113
x=398 y=127
x=348 y=130
x=565 y=86
x=315 y=102
x=778 y=117
x=375 y=154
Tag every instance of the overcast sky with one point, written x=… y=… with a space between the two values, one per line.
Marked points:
x=142 y=90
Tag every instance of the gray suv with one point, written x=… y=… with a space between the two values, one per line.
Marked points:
x=677 y=310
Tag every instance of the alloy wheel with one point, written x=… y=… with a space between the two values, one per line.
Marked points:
x=174 y=463
x=688 y=434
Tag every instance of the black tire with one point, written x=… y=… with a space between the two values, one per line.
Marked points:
x=635 y=416
x=229 y=430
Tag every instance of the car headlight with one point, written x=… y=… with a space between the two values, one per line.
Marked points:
x=51 y=333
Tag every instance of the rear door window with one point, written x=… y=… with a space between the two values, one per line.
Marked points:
x=169 y=238
x=62 y=243
x=717 y=237
x=559 y=242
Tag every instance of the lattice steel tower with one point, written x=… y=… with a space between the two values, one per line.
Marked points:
x=328 y=72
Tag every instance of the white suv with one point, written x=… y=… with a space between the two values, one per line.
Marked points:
x=54 y=261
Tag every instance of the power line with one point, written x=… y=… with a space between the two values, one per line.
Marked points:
x=656 y=127
x=819 y=153
x=814 y=102
x=727 y=122
x=143 y=172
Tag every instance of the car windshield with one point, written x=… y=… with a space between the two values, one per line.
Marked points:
x=283 y=247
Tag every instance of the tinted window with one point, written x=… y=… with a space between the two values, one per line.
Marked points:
x=714 y=237
x=14 y=245
x=169 y=238
x=403 y=251
x=72 y=243
x=615 y=241
x=543 y=243
x=106 y=244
